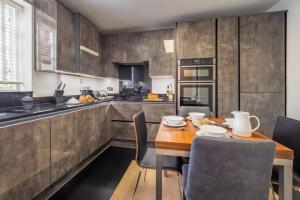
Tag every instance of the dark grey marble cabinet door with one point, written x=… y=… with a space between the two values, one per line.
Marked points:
x=108 y=68
x=104 y=124
x=162 y=63
x=228 y=63
x=65 y=39
x=89 y=37
x=155 y=112
x=120 y=44
x=124 y=111
x=262 y=51
x=25 y=160
x=141 y=45
x=196 y=39
x=262 y=67
x=48 y=7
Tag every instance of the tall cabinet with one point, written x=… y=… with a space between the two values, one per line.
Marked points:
x=228 y=62
x=262 y=67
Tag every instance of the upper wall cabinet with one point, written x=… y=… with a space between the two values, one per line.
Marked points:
x=163 y=61
x=262 y=51
x=87 y=46
x=46 y=35
x=120 y=45
x=65 y=39
x=196 y=39
x=107 y=67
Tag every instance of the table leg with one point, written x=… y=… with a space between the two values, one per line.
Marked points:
x=285 y=182
x=158 y=177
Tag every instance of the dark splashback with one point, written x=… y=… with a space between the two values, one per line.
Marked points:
x=10 y=99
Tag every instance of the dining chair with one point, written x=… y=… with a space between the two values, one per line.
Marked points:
x=222 y=168
x=287 y=132
x=185 y=110
x=145 y=156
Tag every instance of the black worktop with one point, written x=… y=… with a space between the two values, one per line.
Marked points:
x=16 y=114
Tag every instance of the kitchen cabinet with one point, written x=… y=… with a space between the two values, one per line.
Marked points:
x=124 y=111
x=140 y=46
x=155 y=112
x=87 y=46
x=162 y=63
x=75 y=136
x=120 y=44
x=228 y=64
x=108 y=68
x=65 y=39
x=25 y=159
x=122 y=126
x=262 y=51
x=196 y=39
x=262 y=67
x=104 y=124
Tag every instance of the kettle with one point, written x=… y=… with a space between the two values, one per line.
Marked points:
x=242 y=124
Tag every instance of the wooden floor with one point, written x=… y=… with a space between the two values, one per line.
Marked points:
x=146 y=189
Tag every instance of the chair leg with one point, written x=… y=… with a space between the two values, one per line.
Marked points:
x=137 y=183
x=273 y=193
x=145 y=174
x=165 y=173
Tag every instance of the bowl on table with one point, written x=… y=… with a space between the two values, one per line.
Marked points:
x=174 y=120
x=196 y=115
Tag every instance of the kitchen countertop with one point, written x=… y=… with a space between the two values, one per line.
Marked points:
x=20 y=114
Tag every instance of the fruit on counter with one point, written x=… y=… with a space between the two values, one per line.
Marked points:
x=152 y=96
x=87 y=98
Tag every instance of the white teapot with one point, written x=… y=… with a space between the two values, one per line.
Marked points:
x=242 y=124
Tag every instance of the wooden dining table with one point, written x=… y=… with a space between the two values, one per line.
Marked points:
x=177 y=142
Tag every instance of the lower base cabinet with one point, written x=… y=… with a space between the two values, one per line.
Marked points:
x=36 y=154
x=25 y=160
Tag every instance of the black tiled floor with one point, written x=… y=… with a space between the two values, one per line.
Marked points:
x=100 y=178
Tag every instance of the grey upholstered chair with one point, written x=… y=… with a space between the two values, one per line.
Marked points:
x=145 y=156
x=228 y=169
x=185 y=110
x=287 y=132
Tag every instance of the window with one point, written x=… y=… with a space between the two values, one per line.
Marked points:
x=46 y=27
x=14 y=60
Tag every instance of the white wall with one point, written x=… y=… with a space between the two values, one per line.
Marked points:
x=45 y=83
x=159 y=84
x=293 y=55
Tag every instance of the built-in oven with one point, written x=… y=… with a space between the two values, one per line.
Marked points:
x=196 y=83
x=197 y=94
x=198 y=69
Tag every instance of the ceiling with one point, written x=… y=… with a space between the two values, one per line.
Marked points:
x=135 y=15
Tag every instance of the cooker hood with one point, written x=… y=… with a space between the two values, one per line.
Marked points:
x=132 y=63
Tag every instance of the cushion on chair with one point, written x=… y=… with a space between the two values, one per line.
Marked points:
x=168 y=162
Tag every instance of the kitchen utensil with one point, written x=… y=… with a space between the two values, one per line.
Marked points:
x=180 y=124
x=203 y=133
x=242 y=124
x=174 y=120
x=196 y=115
x=213 y=129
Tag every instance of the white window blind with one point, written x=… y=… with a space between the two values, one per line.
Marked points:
x=46 y=41
x=10 y=73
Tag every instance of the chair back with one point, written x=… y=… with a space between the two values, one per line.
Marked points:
x=141 y=135
x=185 y=110
x=287 y=132
x=229 y=169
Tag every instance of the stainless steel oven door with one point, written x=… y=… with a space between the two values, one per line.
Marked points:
x=196 y=73
x=196 y=94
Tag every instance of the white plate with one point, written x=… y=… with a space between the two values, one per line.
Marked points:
x=213 y=129
x=175 y=125
x=203 y=133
